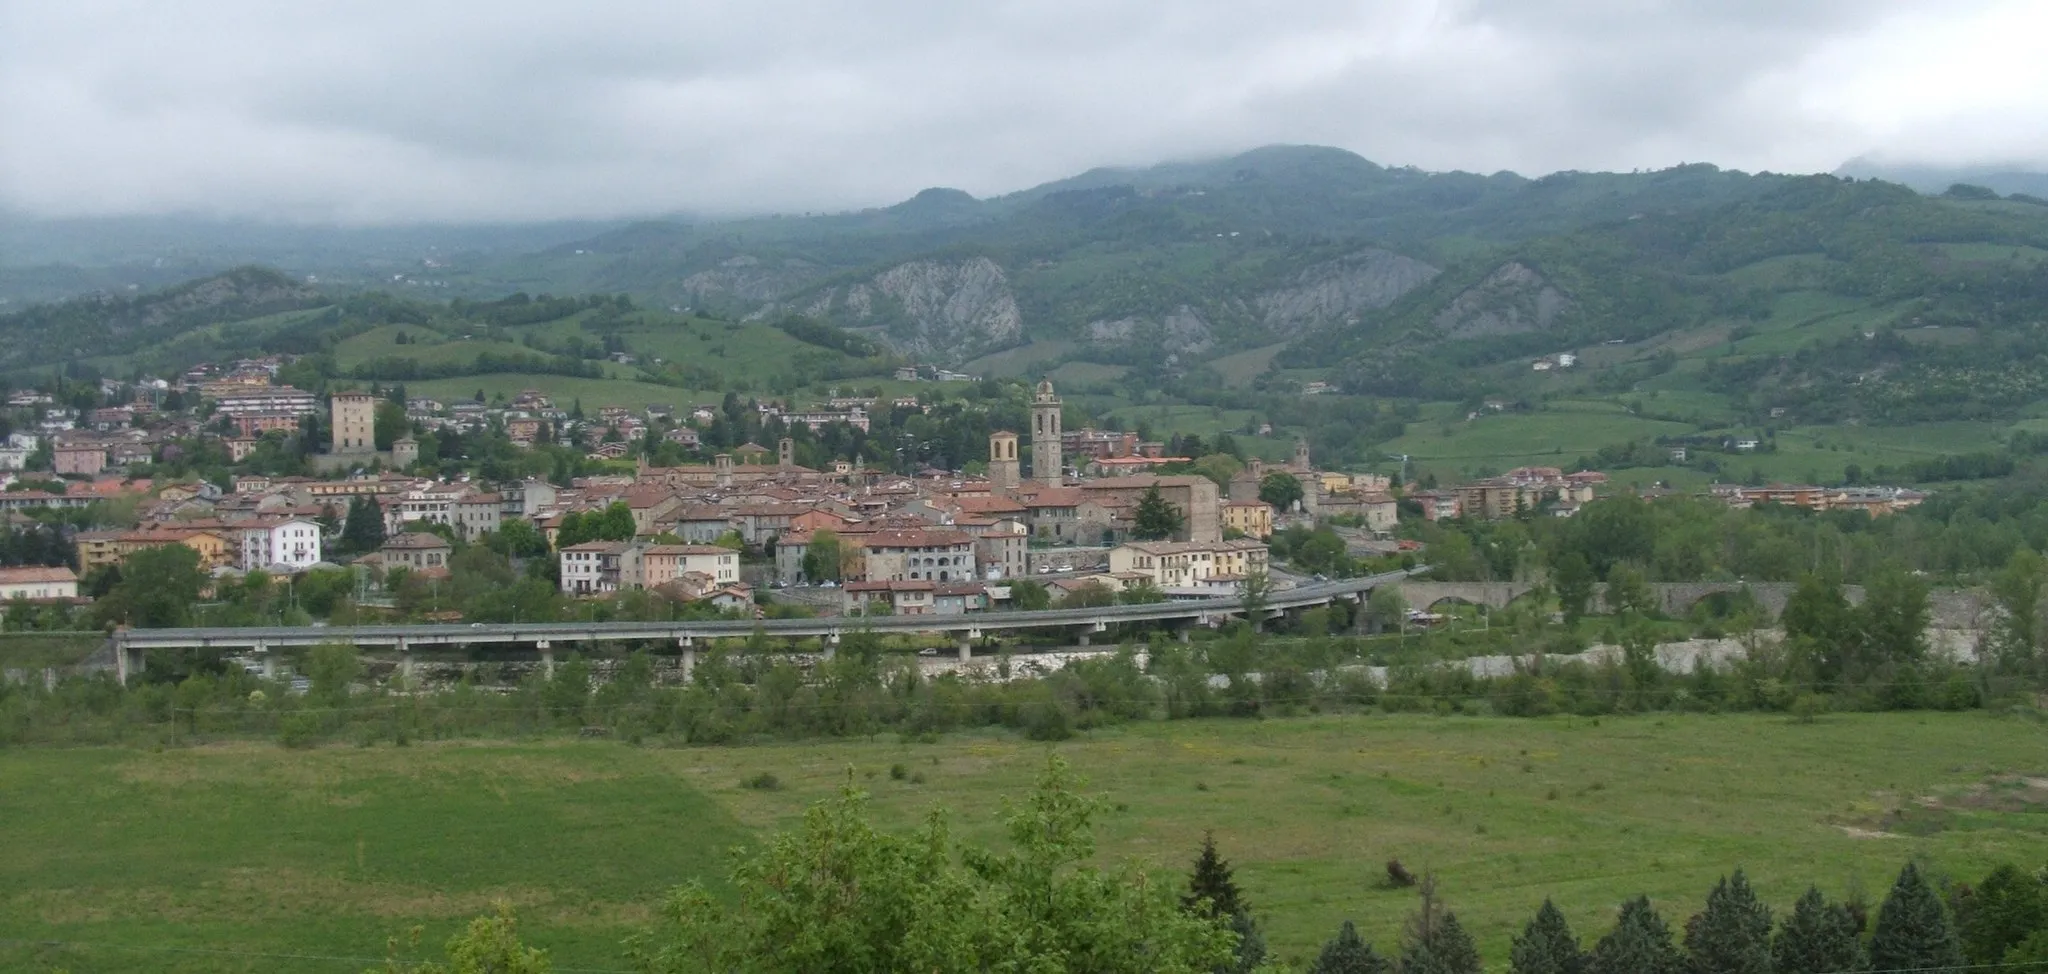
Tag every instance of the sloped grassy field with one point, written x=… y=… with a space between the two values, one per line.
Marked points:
x=135 y=860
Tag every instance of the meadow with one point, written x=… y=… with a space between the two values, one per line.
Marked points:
x=250 y=857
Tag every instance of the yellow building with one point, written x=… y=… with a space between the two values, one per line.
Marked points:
x=1253 y=519
x=97 y=548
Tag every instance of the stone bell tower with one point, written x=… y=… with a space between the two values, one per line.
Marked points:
x=1045 y=435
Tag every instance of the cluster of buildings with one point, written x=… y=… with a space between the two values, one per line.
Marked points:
x=1520 y=489
x=1874 y=501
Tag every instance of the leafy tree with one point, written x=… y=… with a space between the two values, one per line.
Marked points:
x=822 y=558
x=1347 y=953
x=839 y=895
x=1218 y=467
x=363 y=530
x=1998 y=913
x=516 y=537
x=1028 y=595
x=1818 y=619
x=1912 y=931
x=2030 y=956
x=331 y=667
x=1212 y=892
x=157 y=588
x=1894 y=616
x=1733 y=934
x=2016 y=634
x=1572 y=578
x=1628 y=591
x=1546 y=945
x=1252 y=597
x=1817 y=938
x=1280 y=489
x=489 y=945
x=1640 y=943
x=1386 y=608
x=1157 y=519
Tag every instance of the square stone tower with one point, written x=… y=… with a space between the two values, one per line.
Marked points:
x=1003 y=471
x=355 y=423
x=1045 y=436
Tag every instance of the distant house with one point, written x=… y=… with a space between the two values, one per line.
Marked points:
x=37 y=584
x=417 y=550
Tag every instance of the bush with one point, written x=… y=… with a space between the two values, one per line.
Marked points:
x=298 y=731
x=765 y=781
x=897 y=772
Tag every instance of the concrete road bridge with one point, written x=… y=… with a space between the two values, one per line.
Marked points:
x=130 y=644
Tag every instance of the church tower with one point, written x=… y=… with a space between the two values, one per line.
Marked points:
x=1003 y=470
x=1045 y=436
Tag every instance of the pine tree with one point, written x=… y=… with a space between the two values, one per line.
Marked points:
x=1913 y=930
x=1818 y=938
x=1639 y=944
x=1250 y=952
x=1447 y=950
x=1733 y=935
x=2003 y=910
x=1211 y=890
x=1434 y=942
x=1348 y=953
x=1157 y=519
x=1547 y=946
x=363 y=530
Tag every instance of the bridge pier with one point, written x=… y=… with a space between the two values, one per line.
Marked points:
x=689 y=648
x=831 y=645
x=128 y=660
x=269 y=660
x=405 y=662
x=547 y=658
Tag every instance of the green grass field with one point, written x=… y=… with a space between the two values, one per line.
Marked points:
x=562 y=389
x=1454 y=447
x=324 y=853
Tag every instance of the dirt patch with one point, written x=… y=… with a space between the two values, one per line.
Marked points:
x=289 y=894
x=1861 y=833
x=1923 y=815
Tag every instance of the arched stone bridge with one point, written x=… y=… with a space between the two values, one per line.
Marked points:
x=1950 y=608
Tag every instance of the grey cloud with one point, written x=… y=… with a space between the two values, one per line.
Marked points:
x=392 y=112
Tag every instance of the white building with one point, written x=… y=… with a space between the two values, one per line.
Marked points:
x=293 y=542
x=37 y=583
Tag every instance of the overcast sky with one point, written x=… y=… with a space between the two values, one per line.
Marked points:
x=433 y=110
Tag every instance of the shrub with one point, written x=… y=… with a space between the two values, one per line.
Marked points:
x=765 y=781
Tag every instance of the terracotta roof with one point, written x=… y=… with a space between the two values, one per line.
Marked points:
x=914 y=538
x=685 y=549
x=33 y=574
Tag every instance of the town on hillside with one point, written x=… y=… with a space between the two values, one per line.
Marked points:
x=659 y=499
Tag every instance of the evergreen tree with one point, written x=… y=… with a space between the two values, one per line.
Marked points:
x=363 y=530
x=1547 y=946
x=1211 y=890
x=1639 y=944
x=1250 y=951
x=1913 y=930
x=1447 y=950
x=1348 y=953
x=1733 y=935
x=1572 y=577
x=1818 y=938
x=2003 y=910
x=1156 y=519
x=1434 y=942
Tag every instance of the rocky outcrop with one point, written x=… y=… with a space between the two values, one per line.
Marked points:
x=1513 y=298
x=1338 y=291
x=938 y=310
x=751 y=279
x=1183 y=332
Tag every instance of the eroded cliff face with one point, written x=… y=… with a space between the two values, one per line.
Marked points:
x=1182 y=333
x=938 y=310
x=1513 y=298
x=752 y=279
x=1338 y=291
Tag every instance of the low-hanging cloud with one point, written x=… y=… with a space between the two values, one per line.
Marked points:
x=379 y=112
